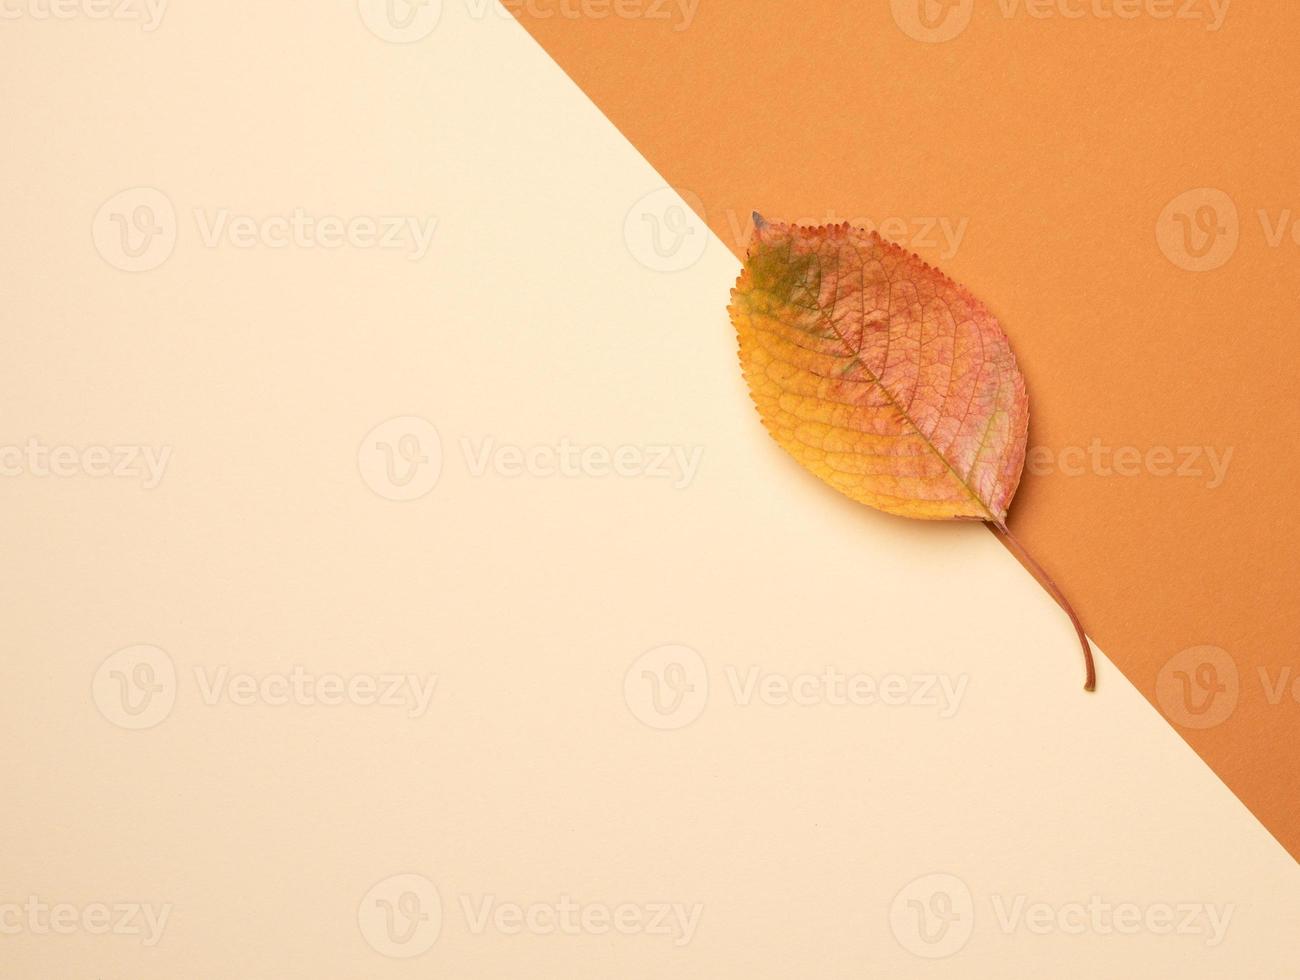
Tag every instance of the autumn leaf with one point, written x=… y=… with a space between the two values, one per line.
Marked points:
x=885 y=378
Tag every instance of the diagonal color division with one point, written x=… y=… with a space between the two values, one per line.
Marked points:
x=1127 y=220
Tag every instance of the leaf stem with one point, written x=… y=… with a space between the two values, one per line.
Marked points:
x=1017 y=549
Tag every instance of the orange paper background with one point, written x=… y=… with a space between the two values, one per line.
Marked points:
x=1060 y=141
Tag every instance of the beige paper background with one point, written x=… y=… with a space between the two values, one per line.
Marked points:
x=542 y=312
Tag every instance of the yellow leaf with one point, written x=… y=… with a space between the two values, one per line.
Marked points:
x=885 y=378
